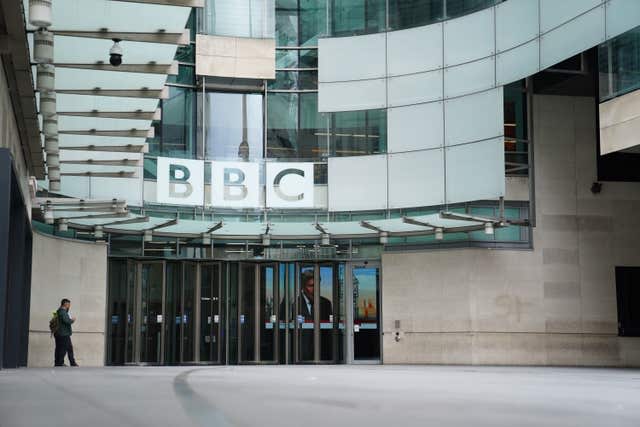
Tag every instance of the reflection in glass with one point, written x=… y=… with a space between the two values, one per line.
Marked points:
x=313 y=21
x=295 y=127
x=117 y=311
x=239 y=18
x=286 y=22
x=356 y=133
x=267 y=314
x=188 y=320
x=619 y=63
x=414 y=13
x=177 y=136
x=357 y=17
x=305 y=314
x=173 y=304
x=462 y=7
x=366 y=318
x=326 y=313
x=209 y=313
x=247 y=310
x=286 y=58
x=234 y=126
x=151 y=311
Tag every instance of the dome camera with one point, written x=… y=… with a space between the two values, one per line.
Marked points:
x=115 y=53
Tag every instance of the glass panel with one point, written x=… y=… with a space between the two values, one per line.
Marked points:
x=267 y=313
x=234 y=126
x=462 y=7
x=341 y=314
x=151 y=311
x=282 y=127
x=413 y=13
x=312 y=140
x=619 y=61
x=188 y=330
x=326 y=313
x=240 y=18
x=117 y=311
x=233 y=294
x=366 y=320
x=286 y=59
x=206 y=308
x=186 y=54
x=131 y=310
x=309 y=58
x=305 y=314
x=178 y=127
x=173 y=304
x=283 y=313
x=313 y=21
x=350 y=17
x=247 y=313
x=356 y=133
x=286 y=23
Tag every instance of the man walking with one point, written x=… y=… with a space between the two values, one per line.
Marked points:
x=63 y=335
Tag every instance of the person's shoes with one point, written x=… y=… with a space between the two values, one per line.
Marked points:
x=60 y=366
x=75 y=365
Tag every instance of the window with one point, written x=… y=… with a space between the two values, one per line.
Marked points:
x=234 y=126
x=628 y=292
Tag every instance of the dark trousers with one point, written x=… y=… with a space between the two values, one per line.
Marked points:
x=63 y=347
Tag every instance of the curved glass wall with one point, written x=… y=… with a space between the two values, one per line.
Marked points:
x=619 y=63
x=351 y=17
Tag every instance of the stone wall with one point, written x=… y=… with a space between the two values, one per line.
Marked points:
x=553 y=305
x=76 y=270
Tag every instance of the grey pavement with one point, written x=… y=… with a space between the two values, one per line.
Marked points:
x=325 y=396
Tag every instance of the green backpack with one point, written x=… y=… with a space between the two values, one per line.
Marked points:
x=53 y=323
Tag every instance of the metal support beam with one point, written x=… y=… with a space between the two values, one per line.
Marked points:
x=133 y=133
x=126 y=93
x=171 y=69
x=184 y=3
x=181 y=39
x=119 y=174
x=135 y=115
x=129 y=148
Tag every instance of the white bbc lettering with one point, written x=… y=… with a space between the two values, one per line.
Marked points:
x=289 y=185
x=180 y=181
x=235 y=184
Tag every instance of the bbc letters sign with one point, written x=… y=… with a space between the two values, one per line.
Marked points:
x=236 y=184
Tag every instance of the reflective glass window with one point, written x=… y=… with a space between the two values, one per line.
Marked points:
x=356 y=133
x=413 y=13
x=357 y=16
x=619 y=63
x=178 y=137
x=282 y=124
x=234 y=126
x=313 y=21
x=286 y=23
x=286 y=58
x=308 y=58
x=239 y=18
x=461 y=7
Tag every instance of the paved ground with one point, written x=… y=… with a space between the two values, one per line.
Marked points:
x=328 y=396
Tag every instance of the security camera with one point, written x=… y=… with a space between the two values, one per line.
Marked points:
x=115 y=53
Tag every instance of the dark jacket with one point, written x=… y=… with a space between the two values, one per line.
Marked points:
x=64 y=323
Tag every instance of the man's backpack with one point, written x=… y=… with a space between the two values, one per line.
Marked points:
x=53 y=323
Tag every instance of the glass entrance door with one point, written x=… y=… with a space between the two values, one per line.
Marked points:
x=151 y=312
x=258 y=316
x=366 y=313
x=210 y=313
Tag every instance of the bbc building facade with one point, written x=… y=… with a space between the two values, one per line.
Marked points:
x=321 y=181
